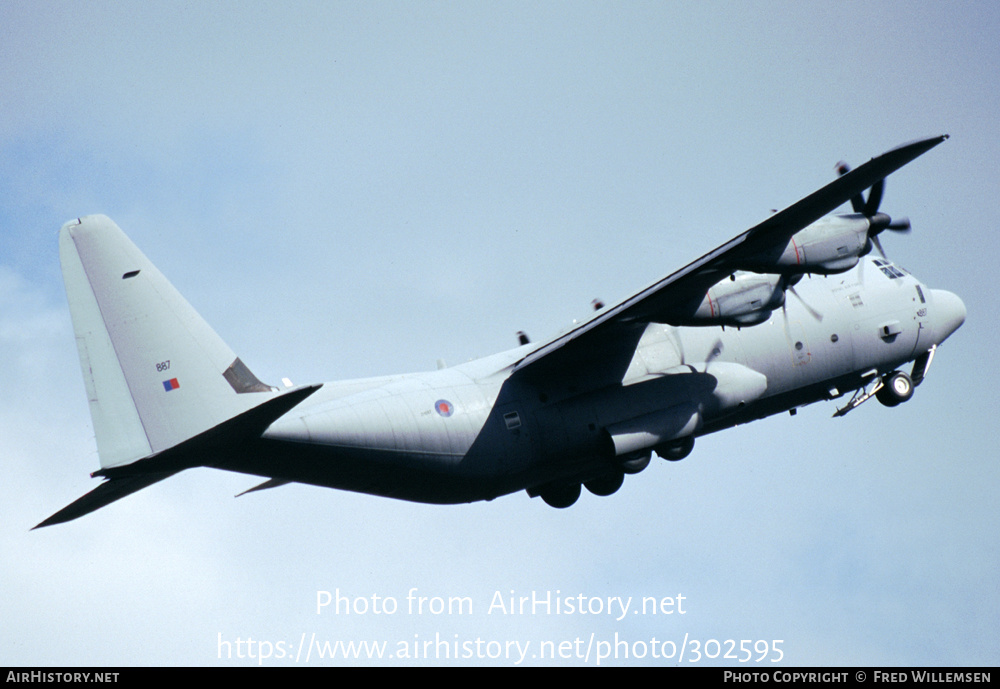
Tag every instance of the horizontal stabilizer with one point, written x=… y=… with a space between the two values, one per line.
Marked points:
x=270 y=483
x=197 y=451
x=104 y=494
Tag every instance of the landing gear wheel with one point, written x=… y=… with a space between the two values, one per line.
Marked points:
x=676 y=450
x=607 y=484
x=560 y=495
x=896 y=389
x=633 y=464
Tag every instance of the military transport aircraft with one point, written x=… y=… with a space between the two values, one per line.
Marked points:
x=794 y=310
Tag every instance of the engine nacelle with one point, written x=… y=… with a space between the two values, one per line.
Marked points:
x=833 y=244
x=741 y=299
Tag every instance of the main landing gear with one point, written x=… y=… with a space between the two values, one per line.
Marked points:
x=676 y=450
x=560 y=495
x=563 y=494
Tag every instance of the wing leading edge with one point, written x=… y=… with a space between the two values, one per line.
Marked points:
x=606 y=337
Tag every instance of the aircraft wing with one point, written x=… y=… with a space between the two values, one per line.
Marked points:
x=602 y=346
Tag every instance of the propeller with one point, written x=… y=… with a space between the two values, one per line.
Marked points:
x=788 y=285
x=812 y=312
x=716 y=351
x=869 y=208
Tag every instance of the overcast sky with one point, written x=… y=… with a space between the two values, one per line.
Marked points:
x=352 y=189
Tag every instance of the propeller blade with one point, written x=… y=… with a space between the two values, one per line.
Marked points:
x=869 y=208
x=874 y=198
x=901 y=225
x=716 y=351
x=857 y=202
x=789 y=286
x=878 y=245
x=812 y=312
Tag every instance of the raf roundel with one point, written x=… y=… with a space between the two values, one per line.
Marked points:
x=444 y=408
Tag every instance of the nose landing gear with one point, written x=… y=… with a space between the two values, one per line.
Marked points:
x=896 y=389
x=891 y=389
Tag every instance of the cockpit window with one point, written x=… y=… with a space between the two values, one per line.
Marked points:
x=890 y=270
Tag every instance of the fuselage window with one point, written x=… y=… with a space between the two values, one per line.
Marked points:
x=512 y=420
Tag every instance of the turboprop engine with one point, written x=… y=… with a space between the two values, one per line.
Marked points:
x=830 y=245
x=740 y=299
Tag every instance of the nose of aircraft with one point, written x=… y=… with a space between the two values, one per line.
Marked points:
x=948 y=313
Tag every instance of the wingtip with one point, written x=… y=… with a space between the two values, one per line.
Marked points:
x=924 y=144
x=52 y=521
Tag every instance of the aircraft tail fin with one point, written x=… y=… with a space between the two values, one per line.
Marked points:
x=156 y=373
x=165 y=392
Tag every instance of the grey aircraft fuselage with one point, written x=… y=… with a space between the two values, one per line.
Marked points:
x=462 y=434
